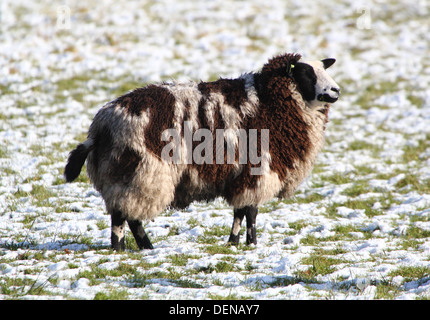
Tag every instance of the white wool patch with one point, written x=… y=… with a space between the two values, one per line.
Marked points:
x=267 y=187
x=250 y=107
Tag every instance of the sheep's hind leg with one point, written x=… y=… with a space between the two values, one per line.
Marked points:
x=251 y=221
x=139 y=234
x=239 y=214
x=117 y=231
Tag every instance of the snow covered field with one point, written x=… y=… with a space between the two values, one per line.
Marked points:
x=359 y=227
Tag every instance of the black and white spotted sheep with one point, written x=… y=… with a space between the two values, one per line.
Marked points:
x=288 y=98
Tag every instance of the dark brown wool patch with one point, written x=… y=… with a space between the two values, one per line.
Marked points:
x=281 y=63
x=160 y=103
x=184 y=194
x=140 y=99
x=120 y=170
x=124 y=169
x=212 y=173
x=234 y=93
x=233 y=90
x=289 y=139
x=103 y=143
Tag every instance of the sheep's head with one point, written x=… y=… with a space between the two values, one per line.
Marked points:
x=314 y=83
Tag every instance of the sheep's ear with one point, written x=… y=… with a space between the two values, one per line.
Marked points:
x=328 y=62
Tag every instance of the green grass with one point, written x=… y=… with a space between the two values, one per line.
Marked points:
x=17 y=287
x=101 y=224
x=414 y=152
x=413 y=233
x=320 y=264
x=369 y=94
x=97 y=275
x=363 y=145
x=39 y=194
x=358 y=188
x=230 y=296
x=337 y=178
x=3 y=151
x=112 y=295
x=387 y=290
x=412 y=273
x=355 y=204
x=181 y=260
x=412 y=182
x=220 y=249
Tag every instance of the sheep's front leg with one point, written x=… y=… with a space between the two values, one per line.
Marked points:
x=139 y=234
x=239 y=214
x=251 y=221
x=117 y=231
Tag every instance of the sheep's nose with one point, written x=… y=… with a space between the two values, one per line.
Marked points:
x=337 y=90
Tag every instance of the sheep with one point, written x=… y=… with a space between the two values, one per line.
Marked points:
x=140 y=167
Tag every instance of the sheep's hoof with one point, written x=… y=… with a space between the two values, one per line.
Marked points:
x=231 y=244
x=145 y=244
x=117 y=244
x=233 y=240
x=251 y=236
x=139 y=234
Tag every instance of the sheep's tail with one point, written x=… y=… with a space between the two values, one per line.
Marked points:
x=77 y=159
